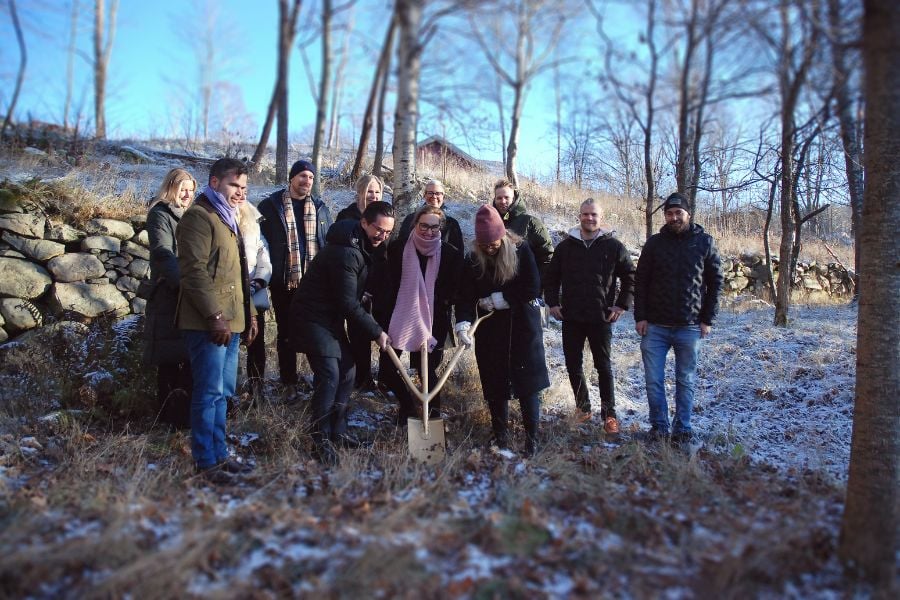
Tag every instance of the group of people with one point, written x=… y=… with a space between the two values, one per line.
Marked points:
x=336 y=287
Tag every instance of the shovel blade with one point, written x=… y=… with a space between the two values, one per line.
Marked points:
x=430 y=450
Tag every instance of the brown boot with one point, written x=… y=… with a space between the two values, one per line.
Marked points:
x=611 y=426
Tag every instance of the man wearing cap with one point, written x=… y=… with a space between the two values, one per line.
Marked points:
x=515 y=216
x=294 y=225
x=587 y=265
x=676 y=298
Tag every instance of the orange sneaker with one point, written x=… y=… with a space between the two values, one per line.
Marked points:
x=611 y=426
x=582 y=416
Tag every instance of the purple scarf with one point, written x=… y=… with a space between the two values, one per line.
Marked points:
x=413 y=314
x=223 y=209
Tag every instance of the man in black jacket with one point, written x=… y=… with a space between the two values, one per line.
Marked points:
x=294 y=225
x=677 y=287
x=587 y=265
x=328 y=296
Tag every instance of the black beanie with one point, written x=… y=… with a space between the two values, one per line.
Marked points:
x=301 y=165
x=676 y=200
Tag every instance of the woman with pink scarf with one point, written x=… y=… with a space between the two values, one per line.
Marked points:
x=425 y=274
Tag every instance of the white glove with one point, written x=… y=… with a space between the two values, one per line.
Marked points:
x=499 y=301
x=486 y=304
x=462 y=332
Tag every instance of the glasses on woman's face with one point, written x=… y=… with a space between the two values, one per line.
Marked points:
x=426 y=228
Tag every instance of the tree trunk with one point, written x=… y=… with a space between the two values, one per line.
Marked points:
x=512 y=148
x=682 y=156
x=648 y=125
x=102 y=50
x=70 y=62
x=23 y=61
x=337 y=91
x=322 y=100
x=383 y=61
x=869 y=538
x=406 y=115
x=848 y=123
x=379 y=123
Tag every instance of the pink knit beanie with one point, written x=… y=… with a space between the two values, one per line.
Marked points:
x=488 y=225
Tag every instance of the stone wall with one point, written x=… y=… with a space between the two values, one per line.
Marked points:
x=817 y=281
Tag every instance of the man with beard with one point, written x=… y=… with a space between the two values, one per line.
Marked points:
x=294 y=225
x=675 y=302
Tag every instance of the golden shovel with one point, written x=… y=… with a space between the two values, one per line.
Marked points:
x=426 y=436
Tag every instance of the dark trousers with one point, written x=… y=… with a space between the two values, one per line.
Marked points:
x=256 y=352
x=599 y=337
x=174 y=386
x=531 y=416
x=390 y=376
x=332 y=384
x=287 y=358
x=361 y=350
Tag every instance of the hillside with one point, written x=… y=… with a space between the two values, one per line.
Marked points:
x=96 y=501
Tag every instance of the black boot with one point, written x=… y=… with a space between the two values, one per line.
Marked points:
x=531 y=418
x=499 y=422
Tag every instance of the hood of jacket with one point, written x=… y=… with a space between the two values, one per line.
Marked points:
x=575 y=233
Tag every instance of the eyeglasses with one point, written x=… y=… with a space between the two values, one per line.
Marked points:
x=434 y=193
x=379 y=232
x=426 y=228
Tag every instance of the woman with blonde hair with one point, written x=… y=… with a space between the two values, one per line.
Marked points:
x=369 y=188
x=165 y=349
x=259 y=267
x=501 y=275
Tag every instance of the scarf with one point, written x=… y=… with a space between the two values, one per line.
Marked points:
x=309 y=230
x=227 y=212
x=413 y=314
x=293 y=242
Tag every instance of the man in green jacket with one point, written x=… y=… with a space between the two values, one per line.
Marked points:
x=214 y=311
x=512 y=208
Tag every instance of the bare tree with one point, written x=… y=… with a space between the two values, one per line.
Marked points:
x=379 y=123
x=869 y=530
x=70 y=62
x=384 y=61
x=337 y=91
x=103 y=41
x=527 y=57
x=287 y=29
x=23 y=61
x=406 y=115
x=839 y=24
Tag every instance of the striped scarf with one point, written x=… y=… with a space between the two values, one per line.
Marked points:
x=309 y=228
x=293 y=255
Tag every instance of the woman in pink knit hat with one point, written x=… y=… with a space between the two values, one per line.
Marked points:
x=425 y=272
x=501 y=275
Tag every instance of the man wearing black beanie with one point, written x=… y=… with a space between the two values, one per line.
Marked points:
x=294 y=225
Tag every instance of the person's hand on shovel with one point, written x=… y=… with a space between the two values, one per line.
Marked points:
x=462 y=332
x=383 y=340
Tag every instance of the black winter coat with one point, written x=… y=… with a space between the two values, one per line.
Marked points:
x=329 y=293
x=450 y=234
x=531 y=229
x=678 y=279
x=350 y=212
x=445 y=288
x=274 y=229
x=588 y=275
x=509 y=345
x=164 y=343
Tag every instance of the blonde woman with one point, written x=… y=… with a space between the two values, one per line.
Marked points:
x=259 y=267
x=369 y=188
x=501 y=275
x=165 y=349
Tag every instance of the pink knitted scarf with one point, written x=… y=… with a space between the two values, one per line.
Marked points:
x=414 y=311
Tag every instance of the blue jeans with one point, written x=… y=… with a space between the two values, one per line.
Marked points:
x=655 y=346
x=214 y=369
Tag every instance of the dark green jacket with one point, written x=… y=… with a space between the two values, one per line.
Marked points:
x=530 y=229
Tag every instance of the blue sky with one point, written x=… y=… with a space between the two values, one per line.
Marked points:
x=153 y=65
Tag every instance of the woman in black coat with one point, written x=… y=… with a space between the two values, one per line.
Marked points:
x=369 y=188
x=425 y=236
x=501 y=275
x=165 y=349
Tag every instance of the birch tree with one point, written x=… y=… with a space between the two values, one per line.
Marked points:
x=406 y=114
x=104 y=34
